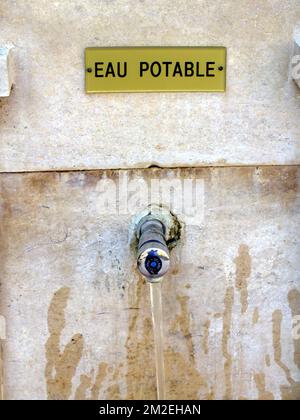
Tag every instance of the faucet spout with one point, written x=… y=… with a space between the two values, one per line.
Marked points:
x=153 y=258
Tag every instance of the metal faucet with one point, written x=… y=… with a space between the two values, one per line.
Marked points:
x=153 y=258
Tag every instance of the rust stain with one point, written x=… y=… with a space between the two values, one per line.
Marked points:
x=206 y=336
x=61 y=366
x=242 y=273
x=294 y=303
x=260 y=382
x=291 y=391
x=255 y=317
x=227 y=318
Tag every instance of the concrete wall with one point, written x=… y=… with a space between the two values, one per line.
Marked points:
x=77 y=313
x=50 y=123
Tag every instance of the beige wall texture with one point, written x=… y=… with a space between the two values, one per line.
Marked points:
x=77 y=313
x=50 y=123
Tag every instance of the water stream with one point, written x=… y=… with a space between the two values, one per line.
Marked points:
x=157 y=320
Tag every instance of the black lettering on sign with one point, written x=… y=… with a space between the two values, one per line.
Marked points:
x=189 y=69
x=167 y=65
x=98 y=69
x=156 y=69
x=110 y=70
x=118 y=70
x=144 y=66
x=155 y=66
x=209 y=69
x=177 y=69
x=124 y=74
x=199 y=74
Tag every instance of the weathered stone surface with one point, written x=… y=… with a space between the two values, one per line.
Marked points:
x=296 y=56
x=78 y=315
x=6 y=71
x=50 y=123
x=297 y=35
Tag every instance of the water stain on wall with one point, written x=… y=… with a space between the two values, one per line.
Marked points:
x=89 y=390
x=182 y=325
x=61 y=365
x=242 y=273
x=283 y=185
x=227 y=318
x=83 y=387
x=100 y=376
x=1 y=372
x=255 y=317
x=260 y=382
x=140 y=375
x=183 y=380
x=206 y=328
x=139 y=329
x=113 y=392
x=294 y=302
x=268 y=360
x=180 y=368
x=291 y=391
x=277 y=320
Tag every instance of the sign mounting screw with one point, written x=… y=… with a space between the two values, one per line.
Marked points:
x=89 y=70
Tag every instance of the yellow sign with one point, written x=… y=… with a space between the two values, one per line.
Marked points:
x=155 y=69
